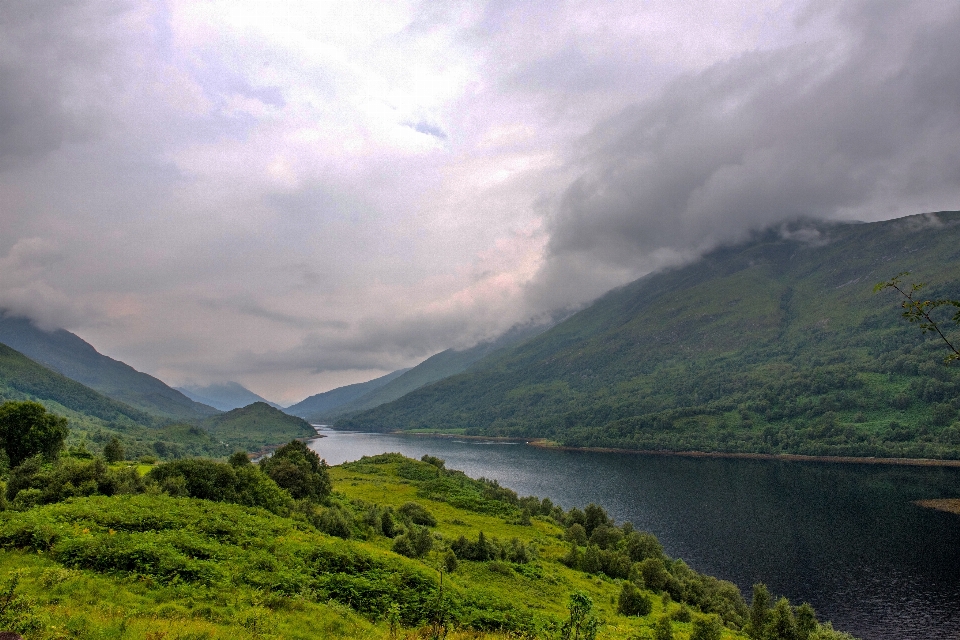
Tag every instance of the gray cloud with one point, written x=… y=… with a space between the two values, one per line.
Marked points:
x=865 y=125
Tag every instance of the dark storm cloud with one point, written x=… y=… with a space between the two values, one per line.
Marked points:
x=865 y=125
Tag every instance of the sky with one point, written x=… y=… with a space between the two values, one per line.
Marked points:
x=300 y=195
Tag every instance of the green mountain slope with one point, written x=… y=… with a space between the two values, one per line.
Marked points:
x=71 y=356
x=256 y=426
x=223 y=396
x=777 y=345
x=321 y=404
x=437 y=367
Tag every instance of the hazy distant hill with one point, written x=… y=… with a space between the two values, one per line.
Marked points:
x=437 y=367
x=322 y=404
x=71 y=356
x=775 y=345
x=223 y=396
x=256 y=426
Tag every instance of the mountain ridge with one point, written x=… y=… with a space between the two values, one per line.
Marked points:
x=774 y=345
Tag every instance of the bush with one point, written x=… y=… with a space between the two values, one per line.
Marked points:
x=220 y=482
x=417 y=514
x=632 y=602
x=299 y=470
x=114 y=452
x=706 y=628
x=36 y=482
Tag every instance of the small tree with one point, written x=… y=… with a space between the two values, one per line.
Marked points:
x=632 y=602
x=27 y=429
x=918 y=311
x=706 y=627
x=782 y=625
x=663 y=629
x=581 y=625
x=759 y=611
x=114 y=452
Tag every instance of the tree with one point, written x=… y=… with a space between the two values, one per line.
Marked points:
x=27 y=429
x=114 y=452
x=663 y=630
x=299 y=470
x=759 y=611
x=706 y=627
x=782 y=625
x=918 y=311
x=581 y=625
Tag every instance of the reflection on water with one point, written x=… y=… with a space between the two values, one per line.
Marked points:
x=845 y=538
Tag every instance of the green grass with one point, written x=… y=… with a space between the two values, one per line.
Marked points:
x=154 y=566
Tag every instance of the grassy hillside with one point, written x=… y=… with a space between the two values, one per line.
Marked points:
x=777 y=345
x=255 y=426
x=69 y=355
x=322 y=404
x=154 y=566
x=437 y=367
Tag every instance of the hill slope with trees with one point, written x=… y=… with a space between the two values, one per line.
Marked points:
x=776 y=345
x=76 y=359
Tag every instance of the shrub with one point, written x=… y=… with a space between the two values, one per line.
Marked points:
x=220 y=482
x=632 y=602
x=706 y=628
x=417 y=514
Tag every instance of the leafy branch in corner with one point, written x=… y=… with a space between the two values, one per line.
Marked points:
x=918 y=310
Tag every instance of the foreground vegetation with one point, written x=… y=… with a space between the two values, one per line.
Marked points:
x=382 y=547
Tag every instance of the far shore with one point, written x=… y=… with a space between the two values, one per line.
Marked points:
x=950 y=505
x=789 y=457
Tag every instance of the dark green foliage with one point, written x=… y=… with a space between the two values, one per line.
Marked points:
x=38 y=482
x=387 y=525
x=415 y=543
x=641 y=545
x=450 y=562
x=663 y=630
x=299 y=470
x=432 y=460
x=759 y=611
x=239 y=459
x=632 y=602
x=485 y=549
x=220 y=482
x=654 y=574
x=334 y=522
x=27 y=429
x=806 y=620
x=706 y=628
x=781 y=624
x=113 y=452
x=416 y=513
x=594 y=516
x=576 y=534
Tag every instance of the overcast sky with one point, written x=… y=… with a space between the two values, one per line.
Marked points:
x=297 y=196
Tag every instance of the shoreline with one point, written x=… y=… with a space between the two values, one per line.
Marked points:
x=787 y=457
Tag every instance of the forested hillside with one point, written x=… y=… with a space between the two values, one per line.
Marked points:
x=775 y=345
x=71 y=356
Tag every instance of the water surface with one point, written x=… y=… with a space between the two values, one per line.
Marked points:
x=844 y=537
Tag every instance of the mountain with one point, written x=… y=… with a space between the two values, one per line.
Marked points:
x=322 y=404
x=437 y=367
x=76 y=359
x=775 y=345
x=223 y=396
x=256 y=426
x=23 y=379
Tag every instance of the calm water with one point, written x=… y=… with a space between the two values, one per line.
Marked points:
x=845 y=538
